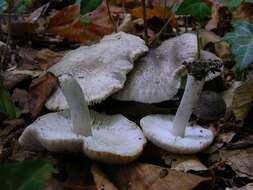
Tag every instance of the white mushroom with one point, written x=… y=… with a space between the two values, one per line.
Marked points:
x=100 y=69
x=112 y=139
x=174 y=134
x=157 y=76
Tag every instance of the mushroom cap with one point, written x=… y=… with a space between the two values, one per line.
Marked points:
x=100 y=69
x=115 y=139
x=157 y=77
x=157 y=129
x=154 y=79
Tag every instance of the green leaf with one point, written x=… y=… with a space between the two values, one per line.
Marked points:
x=22 y=5
x=6 y=105
x=89 y=5
x=196 y=8
x=85 y=20
x=27 y=175
x=241 y=41
x=3 y=5
x=234 y=3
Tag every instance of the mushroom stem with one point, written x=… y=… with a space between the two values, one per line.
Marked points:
x=80 y=115
x=191 y=94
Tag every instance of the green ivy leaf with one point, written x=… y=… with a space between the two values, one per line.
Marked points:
x=27 y=175
x=6 y=105
x=196 y=8
x=3 y=5
x=241 y=41
x=89 y=5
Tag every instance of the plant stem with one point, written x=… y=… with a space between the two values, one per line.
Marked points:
x=80 y=115
x=110 y=16
x=191 y=94
x=198 y=43
x=143 y=4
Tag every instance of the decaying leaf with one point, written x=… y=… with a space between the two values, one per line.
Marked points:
x=67 y=23
x=214 y=21
x=244 y=12
x=39 y=91
x=100 y=179
x=183 y=163
x=222 y=48
x=241 y=161
x=156 y=11
x=151 y=177
x=48 y=58
x=239 y=99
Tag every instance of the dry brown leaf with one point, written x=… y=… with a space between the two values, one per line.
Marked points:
x=48 y=58
x=184 y=163
x=100 y=179
x=151 y=177
x=239 y=99
x=241 y=161
x=156 y=11
x=243 y=12
x=222 y=48
x=67 y=24
x=214 y=21
x=39 y=91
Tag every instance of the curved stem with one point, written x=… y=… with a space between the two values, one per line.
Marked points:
x=191 y=95
x=80 y=115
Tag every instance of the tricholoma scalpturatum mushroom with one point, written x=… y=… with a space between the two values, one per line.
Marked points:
x=112 y=139
x=89 y=75
x=173 y=133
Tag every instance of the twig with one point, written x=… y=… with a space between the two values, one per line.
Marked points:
x=110 y=16
x=161 y=31
x=198 y=43
x=143 y=3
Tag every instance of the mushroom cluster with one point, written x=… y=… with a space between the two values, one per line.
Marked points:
x=89 y=75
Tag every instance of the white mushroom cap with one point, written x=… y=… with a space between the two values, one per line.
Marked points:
x=115 y=139
x=52 y=132
x=103 y=65
x=155 y=78
x=157 y=129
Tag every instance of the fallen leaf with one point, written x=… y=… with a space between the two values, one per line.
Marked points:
x=47 y=58
x=239 y=99
x=183 y=163
x=214 y=21
x=243 y=12
x=67 y=23
x=100 y=179
x=39 y=91
x=241 y=161
x=151 y=177
x=156 y=11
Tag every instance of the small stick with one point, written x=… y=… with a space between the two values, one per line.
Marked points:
x=198 y=43
x=143 y=3
x=161 y=31
x=110 y=16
